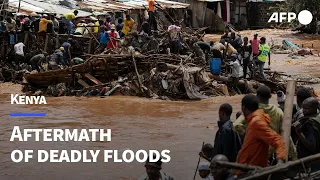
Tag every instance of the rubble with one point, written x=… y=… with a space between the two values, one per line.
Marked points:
x=142 y=66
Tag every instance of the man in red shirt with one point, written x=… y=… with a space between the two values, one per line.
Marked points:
x=113 y=37
x=255 y=45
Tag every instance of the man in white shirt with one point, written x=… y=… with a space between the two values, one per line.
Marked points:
x=18 y=53
x=237 y=71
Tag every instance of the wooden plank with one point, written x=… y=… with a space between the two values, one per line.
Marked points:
x=287 y=115
x=46 y=43
x=57 y=42
x=84 y=84
x=93 y=79
x=90 y=46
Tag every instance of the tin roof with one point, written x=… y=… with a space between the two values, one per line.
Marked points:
x=97 y=6
x=28 y=6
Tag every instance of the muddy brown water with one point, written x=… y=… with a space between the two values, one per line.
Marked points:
x=136 y=123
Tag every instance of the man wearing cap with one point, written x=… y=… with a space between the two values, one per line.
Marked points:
x=67 y=52
x=153 y=171
x=67 y=20
x=113 y=37
x=204 y=171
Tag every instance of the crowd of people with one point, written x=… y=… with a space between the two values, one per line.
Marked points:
x=102 y=28
x=254 y=138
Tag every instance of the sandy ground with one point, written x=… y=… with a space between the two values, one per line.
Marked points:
x=136 y=123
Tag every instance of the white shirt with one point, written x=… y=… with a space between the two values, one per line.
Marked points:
x=237 y=70
x=210 y=177
x=18 y=48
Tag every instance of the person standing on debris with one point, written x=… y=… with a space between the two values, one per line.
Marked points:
x=236 y=72
x=153 y=171
x=128 y=25
x=259 y=136
x=204 y=171
x=113 y=37
x=227 y=141
x=264 y=52
x=68 y=18
x=18 y=53
x=35 y=23
x=25 y=24
x=36 y=61
x=145 y=26
x=120 y=26
x=152 y=16
x=108 y=22
x=308 y=129
x=219 y=172
x=276 y=119
x=174 y=32
x=245 y=52
x=255 y=44
x=236 y=41
x=67 y=52
x=103 y=39
x=43 y=24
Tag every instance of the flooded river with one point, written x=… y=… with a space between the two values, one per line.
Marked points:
x=136 y=123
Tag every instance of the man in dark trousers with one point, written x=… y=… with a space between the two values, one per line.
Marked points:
x=246 y=51
x=227 y=141
x=152 y=15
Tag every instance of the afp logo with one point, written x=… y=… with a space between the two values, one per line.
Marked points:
x=304 y=17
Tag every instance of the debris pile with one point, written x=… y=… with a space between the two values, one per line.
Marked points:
x=144 y=66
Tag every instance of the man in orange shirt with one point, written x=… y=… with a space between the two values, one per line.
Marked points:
x=152 y=18
x=259 y=136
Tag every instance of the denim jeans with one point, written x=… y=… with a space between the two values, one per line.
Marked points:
x=68 y=25
x=261 y=67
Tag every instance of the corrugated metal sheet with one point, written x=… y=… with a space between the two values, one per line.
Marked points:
x=123 y=5
x=266 y=0
x=96 y=6
x=42 y=7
